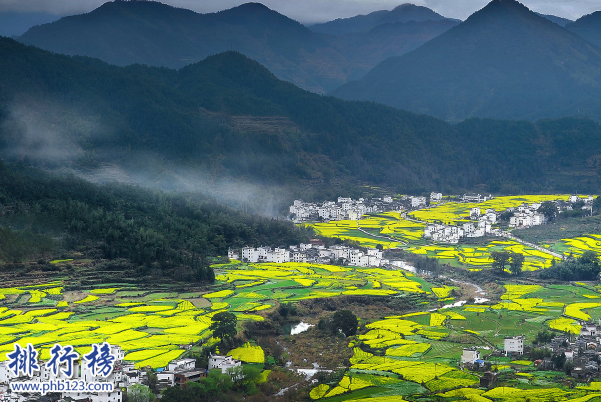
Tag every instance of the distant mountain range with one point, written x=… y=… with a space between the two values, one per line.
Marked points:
x=156 y=34
x=15 y=24
x=365 y=23
x=504 y=61
x=558 y=20
x=227 y=117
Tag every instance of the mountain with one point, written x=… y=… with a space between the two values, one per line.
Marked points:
x=364 y=50
x=588 y=27
x=147 y=32
x=226 y=116
x=364 y=23
x=15 y=24
x=504 y=61
x=562 y=22
x=226 y=125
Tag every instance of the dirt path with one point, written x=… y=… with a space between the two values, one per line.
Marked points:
x=381 y=237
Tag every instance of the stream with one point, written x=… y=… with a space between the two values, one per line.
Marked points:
x=477 y=300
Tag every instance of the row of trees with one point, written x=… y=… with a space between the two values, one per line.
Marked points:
x=583 y=268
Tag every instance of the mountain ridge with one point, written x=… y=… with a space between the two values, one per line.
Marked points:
x=363 y=23
x=152 y=33
x=588 y=27
x=485 y=67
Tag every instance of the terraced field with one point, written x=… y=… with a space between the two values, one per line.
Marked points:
x=578 y=245
x=406 y=355
x=150 y=326
x=426 y=355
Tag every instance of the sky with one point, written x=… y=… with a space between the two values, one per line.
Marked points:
x=311 y=11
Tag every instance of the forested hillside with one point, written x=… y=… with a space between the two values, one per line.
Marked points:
x=229 y=117
x=43 y=213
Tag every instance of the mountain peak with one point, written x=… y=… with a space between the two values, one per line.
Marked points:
x=405 y=6
x=497 y=5
x=592 y=17
x=503 y=61
x=502 y=12
x=253 y=7
x=588 y=27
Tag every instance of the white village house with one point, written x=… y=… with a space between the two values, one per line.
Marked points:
x=223 y=363
x=514 y=345
x=470 y=355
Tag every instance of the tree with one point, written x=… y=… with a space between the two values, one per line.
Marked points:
x=505 y=216
x=515 y=263
x=140 y=393
x=501 y=258
x=589 y=257
x=549 y=209
x=597 y=205
x=559 y=360
x=346 y=322
x=224 y=325
x=152 y=380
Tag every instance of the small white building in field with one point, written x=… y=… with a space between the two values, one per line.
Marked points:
x=470 y=355
x=223 y=363
x=514 y=344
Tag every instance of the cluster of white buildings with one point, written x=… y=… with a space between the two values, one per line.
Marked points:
x=122 y=376
x=417 y=202
x=182 y=371
x=344 y=208
x=314 y=252
x=452 y=234
x=526 y=215
x=435 y=197
x=347 y=208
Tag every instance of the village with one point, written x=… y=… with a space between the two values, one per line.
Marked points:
x=316 y=252
x=483 y=221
